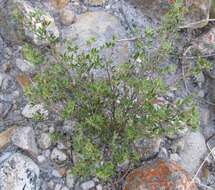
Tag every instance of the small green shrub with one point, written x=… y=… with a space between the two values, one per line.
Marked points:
x=51 y=86
x=56 y=136
x=111 y=112
x=128 y=103
x=38 y=23
x=32 y=54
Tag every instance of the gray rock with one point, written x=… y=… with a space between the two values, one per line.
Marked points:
x=69 y=126
x=99 y=187
x=147 y=148
x=15 y=27
x=51 y=184
x=5 y=156
x=178 y=145
x=55 y=173
x=41 y=158
x=61 y=146
x=2 y=76
x=18 y=173
x=175 y=157
x=64 y=188
x=67 y=17
x=44 y=141
x=24 y=138
x=1 y=44
x=24 y=65
x=205 y=116
x=193 y=152
x=47 y=153
x=5 y=108
x=95 y=3
x=58 y=156
x=51 y=129
x=163 y=154
x=6 y=81
x=102 y=26
x=7 y=53
x=58 y=187
x=87 y=185
x=29 y=111
x=70 y=179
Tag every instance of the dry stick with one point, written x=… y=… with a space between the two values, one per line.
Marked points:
x=186 y=57
x=209 y=148
x=129 y=39
x=198 y=22
x=205 y=186
x=199 y=56
x=200 y=167
x=201 y=184
x=121 y=178
x=182 y=69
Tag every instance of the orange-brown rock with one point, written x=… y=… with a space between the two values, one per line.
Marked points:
x=23 y=80
x=60 y=3
x=160 y=175
x=5 y=137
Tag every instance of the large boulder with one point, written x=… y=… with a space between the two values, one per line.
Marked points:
x=24 y=138
x=102 y=26
x=19 y=172
x=194 y=151
x=159 y=175
x=14 y=19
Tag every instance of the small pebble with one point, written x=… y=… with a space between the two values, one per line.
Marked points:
x=55 y=173
x=41 y=158
x=175 y=157
x=51 y=184
x=58 y=187
x=67 y=17
x=70 y=179
x=99 y=187
x=87 y=185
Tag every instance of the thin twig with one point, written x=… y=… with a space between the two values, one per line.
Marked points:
x=198 y=22
x=205 y=186
x=209 y=148
x=182 y=69
x=121 y=178
x=186 y=57
x=200 y=167
x=202 y=56
x=129 y=39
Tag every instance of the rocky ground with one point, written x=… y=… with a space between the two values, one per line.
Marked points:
x=31 y=160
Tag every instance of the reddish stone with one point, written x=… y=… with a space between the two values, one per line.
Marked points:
x=63 y=171
x=59 y=4
x=23 y=80
x=160 y=175
x=5 y=137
